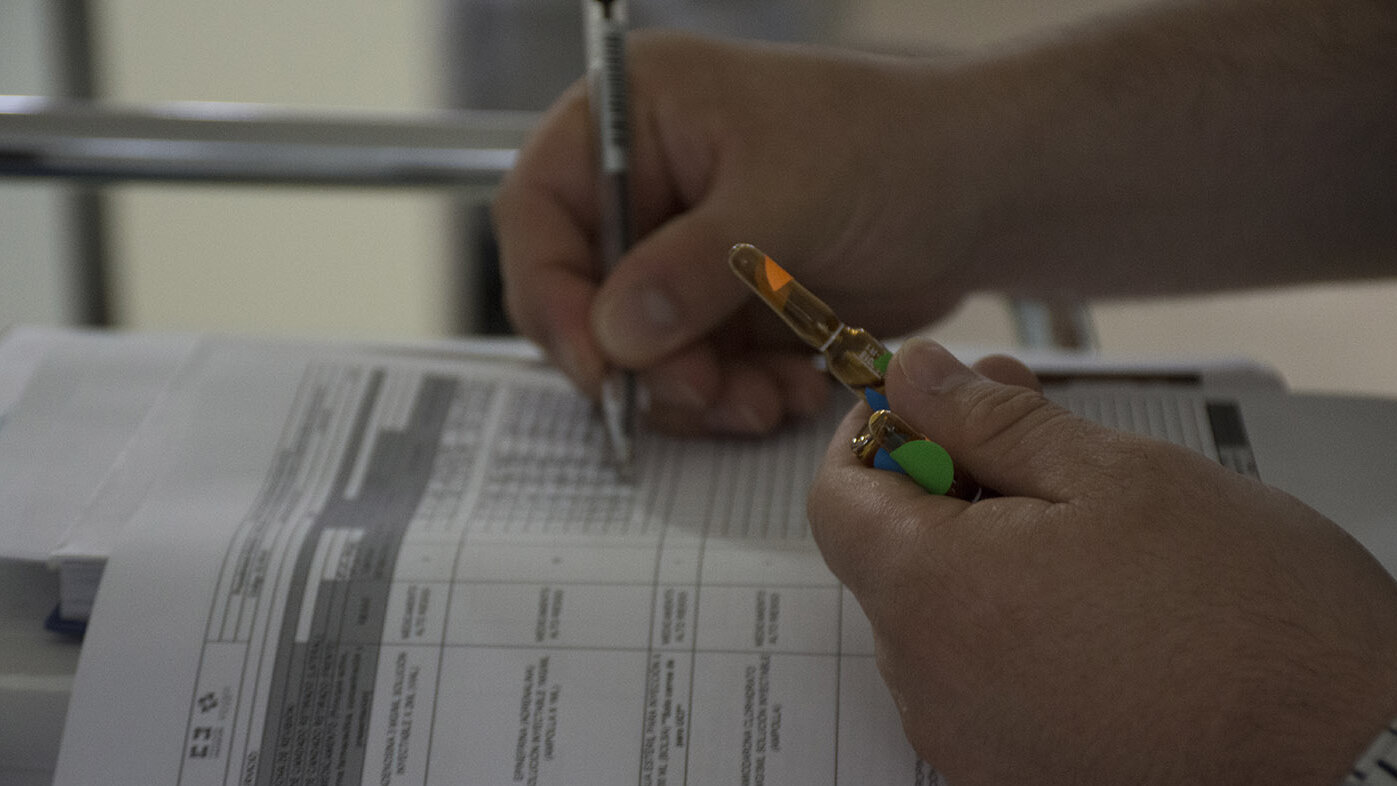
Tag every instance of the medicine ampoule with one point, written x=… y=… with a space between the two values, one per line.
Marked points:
x=888 y=437
x=852 y=355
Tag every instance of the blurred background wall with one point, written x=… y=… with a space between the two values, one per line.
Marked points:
x=403 y=263
x=36 y=278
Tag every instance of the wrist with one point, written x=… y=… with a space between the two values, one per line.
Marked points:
x=1317 y=721
x=950 y=189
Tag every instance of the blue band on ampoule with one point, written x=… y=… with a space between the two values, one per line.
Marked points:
x=875 y=399
x=882 y=460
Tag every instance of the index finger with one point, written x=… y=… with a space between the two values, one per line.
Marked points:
x=544 y=215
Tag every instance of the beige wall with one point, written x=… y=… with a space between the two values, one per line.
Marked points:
x=277 y=260
x=338 y=262
x=38 y=283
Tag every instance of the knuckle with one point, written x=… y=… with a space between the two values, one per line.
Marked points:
x=1007 y=417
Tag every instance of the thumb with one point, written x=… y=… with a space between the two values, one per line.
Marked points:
x=1010 y=438
x=672 y=287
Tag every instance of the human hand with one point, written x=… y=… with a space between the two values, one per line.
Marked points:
x=1130 y=611
x=803 y=152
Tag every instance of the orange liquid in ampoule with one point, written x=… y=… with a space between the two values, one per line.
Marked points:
x=851 y=354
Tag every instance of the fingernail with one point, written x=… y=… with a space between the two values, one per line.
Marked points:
x=930 y=367
x=635 y=318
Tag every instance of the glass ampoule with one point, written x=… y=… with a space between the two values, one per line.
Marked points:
x=852 y=354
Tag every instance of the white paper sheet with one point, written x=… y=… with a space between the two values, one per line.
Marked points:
x=69 y=402
x=360 y=568
x=414 y=572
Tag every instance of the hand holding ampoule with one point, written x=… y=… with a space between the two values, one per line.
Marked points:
x=860 y=361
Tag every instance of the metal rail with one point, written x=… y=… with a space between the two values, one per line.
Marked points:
x=94 y=142
x=246 y=143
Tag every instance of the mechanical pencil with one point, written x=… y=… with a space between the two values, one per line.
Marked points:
x=605 y=27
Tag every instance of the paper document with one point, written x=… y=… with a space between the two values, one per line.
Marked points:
x=358 y=567
x=394 y=571
x=69 y=401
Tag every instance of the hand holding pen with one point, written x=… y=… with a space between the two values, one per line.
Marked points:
x=711 y=160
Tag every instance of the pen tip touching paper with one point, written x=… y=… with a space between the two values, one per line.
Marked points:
x=618 y=404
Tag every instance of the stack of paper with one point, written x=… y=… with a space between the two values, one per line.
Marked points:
x=408 y=566
x=76 y=401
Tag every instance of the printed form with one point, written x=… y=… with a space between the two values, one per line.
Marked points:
x=359 y=568
x=372 y=569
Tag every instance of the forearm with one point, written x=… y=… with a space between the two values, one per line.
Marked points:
x=1194 y=146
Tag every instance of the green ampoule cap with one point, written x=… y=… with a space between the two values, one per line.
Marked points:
x=927 y=463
